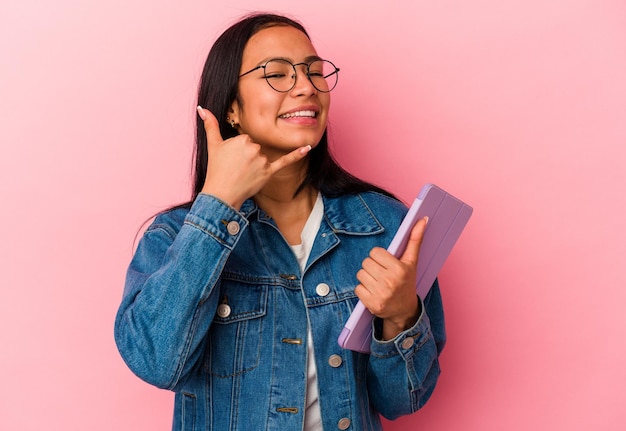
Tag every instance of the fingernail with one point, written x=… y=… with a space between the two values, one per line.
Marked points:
x=426 y=218
x=201 y=112
x=305 y=150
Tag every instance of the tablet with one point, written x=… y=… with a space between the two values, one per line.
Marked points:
x=447 y=217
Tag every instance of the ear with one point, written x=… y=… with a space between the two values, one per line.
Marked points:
x=234 y=112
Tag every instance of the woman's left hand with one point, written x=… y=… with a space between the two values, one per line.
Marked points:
x=387 y=284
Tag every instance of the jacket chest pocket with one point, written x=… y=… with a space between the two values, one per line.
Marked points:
x=235 y=334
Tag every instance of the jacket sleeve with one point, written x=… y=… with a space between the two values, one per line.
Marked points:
x=403 y=372
x=171 y=291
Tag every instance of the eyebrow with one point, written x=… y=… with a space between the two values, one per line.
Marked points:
x=307 y=60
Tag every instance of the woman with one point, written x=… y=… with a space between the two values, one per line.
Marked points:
x=235 y=300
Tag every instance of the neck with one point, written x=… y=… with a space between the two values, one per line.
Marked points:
x=289 y=212
x=282 y=186
x=280 y=202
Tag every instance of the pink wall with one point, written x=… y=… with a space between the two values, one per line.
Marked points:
x=519 y=107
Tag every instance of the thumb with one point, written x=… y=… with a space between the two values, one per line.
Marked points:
x=415 y=241
x=211 y=126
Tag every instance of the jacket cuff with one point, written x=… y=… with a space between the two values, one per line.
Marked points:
x=216 y=218
x=406 y=343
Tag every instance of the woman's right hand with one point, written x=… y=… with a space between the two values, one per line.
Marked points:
x=236 y=167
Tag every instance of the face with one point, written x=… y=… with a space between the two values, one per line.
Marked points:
x=279 y=122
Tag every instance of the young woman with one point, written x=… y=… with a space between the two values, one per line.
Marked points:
x=236 y=299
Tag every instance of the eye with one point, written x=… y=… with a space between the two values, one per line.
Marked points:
x=275 y=75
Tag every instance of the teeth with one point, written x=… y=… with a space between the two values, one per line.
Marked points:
x=299 y=114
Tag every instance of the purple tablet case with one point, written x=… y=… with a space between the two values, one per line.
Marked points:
x=447 y=217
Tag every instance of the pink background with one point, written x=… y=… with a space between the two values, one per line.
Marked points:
x=519 y=107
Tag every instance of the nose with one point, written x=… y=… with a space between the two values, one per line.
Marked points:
x=303 y=84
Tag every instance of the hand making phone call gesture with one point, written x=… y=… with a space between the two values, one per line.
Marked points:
x=237 y=169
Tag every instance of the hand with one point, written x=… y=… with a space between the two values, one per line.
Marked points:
x=387 y=284
x=236 y=168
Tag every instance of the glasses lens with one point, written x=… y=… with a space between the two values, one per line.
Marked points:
x=280 y=75
x=324 y=75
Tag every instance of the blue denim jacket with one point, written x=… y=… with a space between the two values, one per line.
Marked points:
x=216 y=308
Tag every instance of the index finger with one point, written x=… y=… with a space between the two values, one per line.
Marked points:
x=288 y=159
x=411 y=252
x=211 y=125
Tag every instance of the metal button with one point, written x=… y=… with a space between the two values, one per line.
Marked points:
x=232 y=227
x=343 y=424
x=223 y=310
x=335 y=361
x=407 y=343
x=322 y=289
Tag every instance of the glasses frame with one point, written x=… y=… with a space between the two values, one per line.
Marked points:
x=308 y=76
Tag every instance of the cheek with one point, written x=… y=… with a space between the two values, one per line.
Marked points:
x=326 y=105
x=260 y=116
x=324 y=99
x=259 y=100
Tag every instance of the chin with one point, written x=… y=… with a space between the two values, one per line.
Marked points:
x=306 y=139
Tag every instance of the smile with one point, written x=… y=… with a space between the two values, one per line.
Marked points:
x=310 y=114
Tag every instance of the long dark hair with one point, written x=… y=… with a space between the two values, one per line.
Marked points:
x=218 y=89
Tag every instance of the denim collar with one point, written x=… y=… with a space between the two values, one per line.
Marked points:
x=347 y=214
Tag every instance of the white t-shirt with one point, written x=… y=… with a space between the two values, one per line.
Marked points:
x=312 y=414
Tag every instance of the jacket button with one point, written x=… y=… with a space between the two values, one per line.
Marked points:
x=322 y=289
x=335 y=361
x=232 y=227
x=343 y=424
x=223 y=310
x=407 y=343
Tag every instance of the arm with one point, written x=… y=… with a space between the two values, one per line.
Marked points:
x=172 y=290
x=403 y=372
x=408 y=334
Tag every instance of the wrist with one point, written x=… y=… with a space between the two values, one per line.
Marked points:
x=394 y=326
x=224 y=197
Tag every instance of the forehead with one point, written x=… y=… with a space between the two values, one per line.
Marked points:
x=278 y=41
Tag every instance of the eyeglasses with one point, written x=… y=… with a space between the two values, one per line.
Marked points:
x=280 y=74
